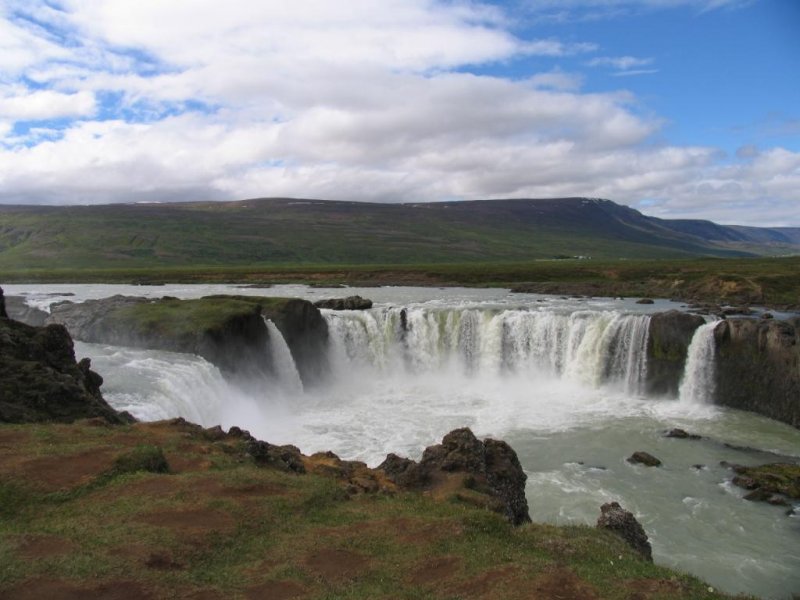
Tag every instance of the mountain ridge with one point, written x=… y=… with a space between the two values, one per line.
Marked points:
x=309 y=231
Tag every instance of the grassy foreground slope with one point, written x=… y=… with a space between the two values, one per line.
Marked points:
x=86 y=511
x=308 y=232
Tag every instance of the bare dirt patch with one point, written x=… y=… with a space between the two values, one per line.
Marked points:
x=214 y=488
x=195 y=520
x=435 y=570
x=34 y=547
x=560 y=584
x=483 y=585
x=334 y=564
x=13 y=438
x=53 y=589
x=647 y=589
x=53 y=473
x=275 y=590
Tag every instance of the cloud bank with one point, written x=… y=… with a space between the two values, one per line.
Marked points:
x=380 y=100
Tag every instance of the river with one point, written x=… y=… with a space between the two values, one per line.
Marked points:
x=560 y=379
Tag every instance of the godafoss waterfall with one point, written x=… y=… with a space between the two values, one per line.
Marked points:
x=574 y=385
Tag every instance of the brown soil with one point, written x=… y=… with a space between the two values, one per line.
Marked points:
x=214 y=488
x=650 y=589
x=53 y=589
x=33 y=547
x=275 y=590
x=163 y=562
x=12 y=439
x=486 y=584
x=192 y=520
x=53 y=473
x=560 y=584
x=333 y=564
x=435 y=570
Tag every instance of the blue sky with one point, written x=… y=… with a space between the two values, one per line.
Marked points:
x=681 y=108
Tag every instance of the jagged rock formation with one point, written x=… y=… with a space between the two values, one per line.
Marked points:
x=621 y=522
x=668 y=341
x=757 y=367
x=471 y=470
x=40 y=379
x=349 y=303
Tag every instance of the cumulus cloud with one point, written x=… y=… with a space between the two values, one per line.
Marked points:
x=622 y=63
x=376 y=100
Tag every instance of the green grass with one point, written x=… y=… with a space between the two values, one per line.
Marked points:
x=292 y=529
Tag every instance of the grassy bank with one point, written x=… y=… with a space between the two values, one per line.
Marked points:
x=770 y=281
x=86 y=509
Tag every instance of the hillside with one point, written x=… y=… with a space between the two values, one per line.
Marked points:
x=169 y=510
x=313 y=232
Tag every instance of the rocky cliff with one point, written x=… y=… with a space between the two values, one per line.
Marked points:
x=40 y=379
x=228 y=331
x=667 y=345
x=757 y=367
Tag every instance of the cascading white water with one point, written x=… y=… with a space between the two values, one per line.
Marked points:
x=697 y=385
x=591 y=347
x=286 y=372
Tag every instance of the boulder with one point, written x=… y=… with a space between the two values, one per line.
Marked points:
x=40 y=379
x=482 y=472
x=668 y=341
x=758 y=367
x=643 y=458
x=349 y=303
x=621 y=522
x=645 y=301
x=681 y=434
x=3 y=313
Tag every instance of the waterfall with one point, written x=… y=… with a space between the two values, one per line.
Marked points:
x=288 y=378
x=697 y=386
x=592 y=347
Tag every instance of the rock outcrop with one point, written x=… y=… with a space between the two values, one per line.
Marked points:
x=667 y=345
x=621 y=522
x=643 y=458
x=41 y=381
x=483 y=472
x=228 y=331
x=230 y=334
x=349 y=303
x=775 y=483
x=757 y=367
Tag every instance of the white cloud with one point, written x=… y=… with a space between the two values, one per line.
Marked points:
x=20 y=105
x=368 y=101
x=622 y=63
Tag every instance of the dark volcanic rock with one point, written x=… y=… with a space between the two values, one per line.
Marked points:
x=681 y=434
x=775 y=483
x=643 y=458
x=489 y=468
x=645 y=301
x=621 y=522
x=349 y=303
x=41 y=381
x=285 y=458
x=668 y=341
x=3 y=313
x=758 y=367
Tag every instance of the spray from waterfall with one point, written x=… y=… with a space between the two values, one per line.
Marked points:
x=697 y=386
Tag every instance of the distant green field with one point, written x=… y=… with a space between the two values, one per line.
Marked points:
x=771 y=281
x=297 y=232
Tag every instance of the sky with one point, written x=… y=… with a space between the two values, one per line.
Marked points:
x=678 y=108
